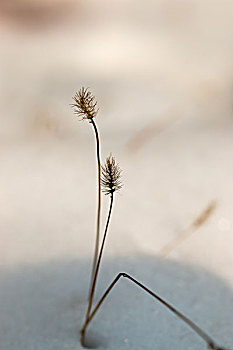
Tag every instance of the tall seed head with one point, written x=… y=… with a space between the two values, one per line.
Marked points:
x=111 y=176
x=85 y=104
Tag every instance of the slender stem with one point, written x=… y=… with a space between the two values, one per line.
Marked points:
x=176 y=241
x=93 y=286
x=99 y=202
x=200 y=220
x=211 y=344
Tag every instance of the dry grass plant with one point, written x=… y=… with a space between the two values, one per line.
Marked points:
x=85 y=107
x=110 y=180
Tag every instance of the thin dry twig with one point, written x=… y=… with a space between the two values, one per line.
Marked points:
x=195 y=225
x=111 y=182
x=151 y=130
x=85 y=107
x=209 y=341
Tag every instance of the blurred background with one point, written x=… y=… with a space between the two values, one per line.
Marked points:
x=169 y=58
x=162 y=73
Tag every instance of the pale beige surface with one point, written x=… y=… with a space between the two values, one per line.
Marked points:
x=162 y=74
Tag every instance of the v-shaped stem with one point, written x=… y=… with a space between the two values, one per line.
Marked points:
x=210 y=342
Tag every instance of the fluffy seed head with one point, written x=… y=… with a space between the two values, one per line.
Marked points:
x=85 y=104
x=111 y=176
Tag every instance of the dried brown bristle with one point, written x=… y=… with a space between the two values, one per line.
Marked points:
x=111 y=176
x=85 y=104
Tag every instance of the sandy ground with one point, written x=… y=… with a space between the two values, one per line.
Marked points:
x=167 y=117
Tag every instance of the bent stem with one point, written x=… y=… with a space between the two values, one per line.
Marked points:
x=210 y=342
x=93 y=285
x=99 y=203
